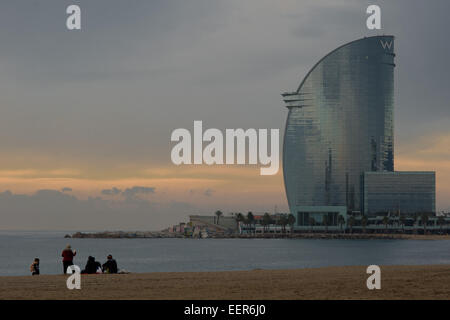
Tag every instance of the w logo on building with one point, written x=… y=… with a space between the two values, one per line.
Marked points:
x=386 y=44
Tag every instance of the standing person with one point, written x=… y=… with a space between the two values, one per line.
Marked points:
x=34 y=268
x=68 y=255
x=110 y=266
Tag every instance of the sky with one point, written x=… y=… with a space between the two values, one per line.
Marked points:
x=86 y=116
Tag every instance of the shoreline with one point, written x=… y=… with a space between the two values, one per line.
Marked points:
x=335 y=283
x=340 y=236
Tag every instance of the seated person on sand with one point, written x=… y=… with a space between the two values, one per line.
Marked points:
x=34 y=268
x=92 y=266
x=110 y=266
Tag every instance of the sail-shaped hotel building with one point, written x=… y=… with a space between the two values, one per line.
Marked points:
x=339 y=138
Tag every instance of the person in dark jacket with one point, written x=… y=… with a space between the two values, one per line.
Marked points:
x=91 y=266
x=34 y=268
x=68 y=255
x=110 y=266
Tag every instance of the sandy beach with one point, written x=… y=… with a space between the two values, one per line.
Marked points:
x=397 y=282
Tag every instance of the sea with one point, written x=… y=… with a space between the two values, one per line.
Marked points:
x=19 y=248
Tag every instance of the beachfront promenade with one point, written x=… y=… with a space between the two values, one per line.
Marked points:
x=302 y=235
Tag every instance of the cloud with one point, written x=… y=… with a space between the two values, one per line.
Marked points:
x=111 y=192
x=52 y=208
x=207 y=193
x=129 y=192
x=132 y=192
x=66 y=189
x=6 y=193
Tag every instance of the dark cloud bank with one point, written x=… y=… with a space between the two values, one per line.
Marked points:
x=53 y=209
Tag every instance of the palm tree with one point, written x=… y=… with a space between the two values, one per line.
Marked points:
x=239 y=218
x=402 y=221
x=396 y=216
x=251 y=219
x=325 y=222
x=283 y=221
x=424 y=219
x=385 y=222
x=351 y=222
x=266 y=220
x=364 y=221
x=441 y=222
x=291 y=221
x=263 y=223
x=341 y=220
x=218 y=214
x=312 y=222
x=416 y=222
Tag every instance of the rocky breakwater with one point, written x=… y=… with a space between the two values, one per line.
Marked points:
x=123 y=235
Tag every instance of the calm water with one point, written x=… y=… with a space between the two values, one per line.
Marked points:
x=18 y=249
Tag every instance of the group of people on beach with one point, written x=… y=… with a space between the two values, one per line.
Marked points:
x=92 y=266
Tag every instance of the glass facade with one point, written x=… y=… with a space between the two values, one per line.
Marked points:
x=340 y=125
x=307 y=216
x=400 y=191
